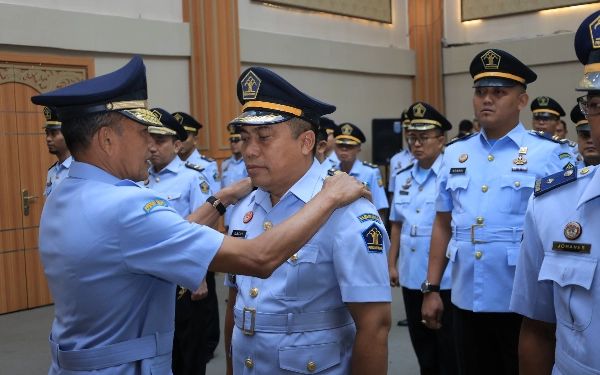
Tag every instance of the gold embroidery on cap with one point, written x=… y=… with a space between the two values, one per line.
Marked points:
x=491 y=60
x=419 y=110
x=543 y=101
x=346 y=129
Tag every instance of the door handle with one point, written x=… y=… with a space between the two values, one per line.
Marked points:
x=26 y=198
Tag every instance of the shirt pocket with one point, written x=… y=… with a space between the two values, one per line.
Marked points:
x=452 y=250
x=300 y=269
x=572 y=276
x=173 y=196
x=309 y=359
x=458 y=187
x=516 y=190
x=512 y=253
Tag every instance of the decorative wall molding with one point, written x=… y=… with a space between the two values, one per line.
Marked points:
x=373 y=10
x=42 y=79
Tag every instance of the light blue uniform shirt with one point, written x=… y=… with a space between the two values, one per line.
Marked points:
x=344 y=262
x=185 y=188
x=487 y=194
x=211 y=169
x=413 y=205
x=397 y=162
x=366 y=172
x=332 y=159
x=558 y=286
x=56 y=174
x=233 y=171
x=112 y=254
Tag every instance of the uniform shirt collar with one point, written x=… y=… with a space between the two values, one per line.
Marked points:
x=89 y=172
x=67 y=162
x=234 y=161
x=592 y=190
x=435 y=168
x=355 y=168
x=516 y=134
x=173 y=166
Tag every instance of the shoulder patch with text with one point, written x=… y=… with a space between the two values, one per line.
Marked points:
x=148 y=207
x=369 y=217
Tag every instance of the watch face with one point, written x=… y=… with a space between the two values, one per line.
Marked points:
x=425 y=287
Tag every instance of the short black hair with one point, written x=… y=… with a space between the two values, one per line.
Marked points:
x=564 y=124
x=465 y=125
x=79 y=131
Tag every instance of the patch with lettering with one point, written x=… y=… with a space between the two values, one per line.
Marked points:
x=369 y=217
x=583 y=248
x=564 y=155
x=238 y=233
x=373 y=237
x=458 y=170
x=403 y=192
x=148 y=207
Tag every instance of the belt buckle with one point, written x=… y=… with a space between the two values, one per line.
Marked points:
x=413 y=231
x=473 y=233
x=252 y=320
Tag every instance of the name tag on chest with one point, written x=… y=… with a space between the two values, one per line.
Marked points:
x=238 y=233
x=458 y=170
x=583 y=248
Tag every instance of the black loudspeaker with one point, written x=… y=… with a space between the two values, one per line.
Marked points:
x=387 y=139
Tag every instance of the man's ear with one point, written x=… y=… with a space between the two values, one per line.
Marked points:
x=523 y=100
x=308 y=142
x=105 y=137
x=177 y=144
x=321 y=147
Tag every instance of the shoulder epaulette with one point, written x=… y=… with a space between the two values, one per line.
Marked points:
x=194 y=166
x=551 y=182
x=458 y=139
x=553 y=138
x=333 y=172
x=369 y=164
x=405 y=168
x=52 y=166
x=204 y=157
x=571 y=143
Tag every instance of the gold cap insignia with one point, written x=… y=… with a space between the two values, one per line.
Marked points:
x=543 y=101
x=250 y=85
x=595 y=32
x=419 y=110
x=179 y=118
x=491 y=60
x=346 y=129
x=157 y=114
x=47 y=113
x=231 y=128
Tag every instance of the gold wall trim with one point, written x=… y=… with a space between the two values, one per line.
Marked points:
x=478 y=9
x=373 y=10
x=42 y=79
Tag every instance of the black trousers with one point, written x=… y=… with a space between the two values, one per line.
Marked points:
x=189 y=344
x=487 y=343
x=213 y=331
x=434 y=348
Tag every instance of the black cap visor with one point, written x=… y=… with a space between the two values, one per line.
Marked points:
x=495 y=82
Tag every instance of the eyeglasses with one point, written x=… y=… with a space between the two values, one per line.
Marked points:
x=589 y=107
x=422 y=140
x=539 y=118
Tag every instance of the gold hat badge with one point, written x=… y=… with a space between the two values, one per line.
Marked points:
x=179 y=118
x=594 y=27
x=47 y=113
x=491 y=60
x=231 y=128
x=250 y=85
x=346 y=129
x=419 y=110
x=157 y=114
x=543 y=101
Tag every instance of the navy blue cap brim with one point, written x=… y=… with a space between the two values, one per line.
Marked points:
x=585 y=126
x=254 y=117
x=495 y=82
x=51 y=126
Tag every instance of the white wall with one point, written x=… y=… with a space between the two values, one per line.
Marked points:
x=526 y=25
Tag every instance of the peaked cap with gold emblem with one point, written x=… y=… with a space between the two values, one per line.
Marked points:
x=171 y=125
x=494 y=67
x=579 y=119
x=423 y=116
x=124 y=91
x=587 y=49
x=269 y=99
x=327 y=124
x=51 y=119
x=546 y=106
x=348 y=134
x=234 y=133
x=189 y=123
x=405 y=118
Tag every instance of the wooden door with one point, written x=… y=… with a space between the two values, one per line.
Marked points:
x=25 y=159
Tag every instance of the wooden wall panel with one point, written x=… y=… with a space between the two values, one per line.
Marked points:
x=426 y=28
x=13 y=290
x=38 y=292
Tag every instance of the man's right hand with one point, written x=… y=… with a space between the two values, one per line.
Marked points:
x=344 y=189
x=393 y=276
x=432 y=310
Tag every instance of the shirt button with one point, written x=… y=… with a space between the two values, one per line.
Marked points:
x=249 y=363
x=267 y=225
x=478 y=255
x=294 y=257
x=234 y=168
x=413 y=249
x=479 y=220
x=421 y=188
x=311 y=366
x=254 y=292
x=517 y=184
x=484 y=188
x=448 y=255
x=418 y=210
x=57 y=176
x=157 y=179
x=169 y=197
x=491 y=157
x=231 y=180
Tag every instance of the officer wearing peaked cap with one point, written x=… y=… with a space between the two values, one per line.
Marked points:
x=546 y=114
x=113 y=252
x=484 y=183
x=190 y=153
x=56 y=146
x=348 y=138
x=411 y=217
x=331 y=158
x=557 y=270
x=234 y=168
x=327 y=309
x=587 y=153
x=403 y=158
x=186 y=188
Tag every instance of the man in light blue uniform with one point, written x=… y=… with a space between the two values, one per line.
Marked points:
x=483 y=186
x=190 y=153
x=348 y=138
x=327 y=309
x=411 y=217
x=588 y=154
x=331 y=158
x=234 y=168
x=113 y=251
x=401 y=159
x=556 y=282
x=56 y=146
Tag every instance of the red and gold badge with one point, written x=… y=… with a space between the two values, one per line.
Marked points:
x=573 y=230
x=248 y=216
x=463 y=158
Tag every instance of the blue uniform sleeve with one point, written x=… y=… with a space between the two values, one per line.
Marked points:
x=155 y=240
x=214 y=179
x=379 y=196
x=360 y=251
x=531 y=297
x=443 y=198
x=560 y=158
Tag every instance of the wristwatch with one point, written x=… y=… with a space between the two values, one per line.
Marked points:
x=426 y=287
x=216 y=203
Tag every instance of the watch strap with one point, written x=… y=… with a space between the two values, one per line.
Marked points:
x=216 y=203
